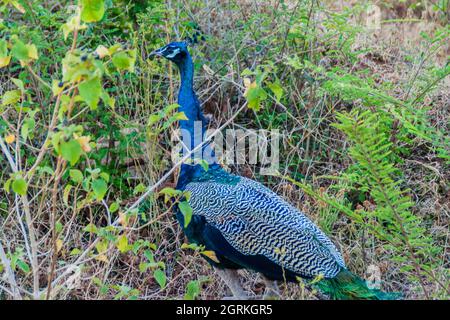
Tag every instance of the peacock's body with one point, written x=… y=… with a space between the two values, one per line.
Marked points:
x=247 y=225
x=260 y=225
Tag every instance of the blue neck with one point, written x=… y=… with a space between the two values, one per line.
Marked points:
x=195 y=127
x=192 y=130
x=186 y=96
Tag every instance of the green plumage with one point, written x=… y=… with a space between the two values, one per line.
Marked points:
x=347 y=286
x=217 y=174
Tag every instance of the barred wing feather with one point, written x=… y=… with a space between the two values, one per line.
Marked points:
x=256 y=221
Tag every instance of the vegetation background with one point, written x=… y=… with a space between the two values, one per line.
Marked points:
x=87 y=122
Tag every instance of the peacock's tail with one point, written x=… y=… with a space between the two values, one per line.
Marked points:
x=347 y=286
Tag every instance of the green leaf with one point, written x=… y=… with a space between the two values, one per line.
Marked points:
x=75 y=252
x=7 y=185
x=19 y=83
x=56 y=88
x=255 y=96
x=4 y=61
x=58 y=226
x=91 y=228
x=187 y=195
x=124 y=60
x=160 y=277
x=102 y=246
x=139 y=188
x=32 y=51
x=11 y=97
x=204 y=164
x=114 y=207
x=99 y=187
x=56 y=138
x=27 y=127
x=20 y=50
x=186 y=210
x=20 y=186
x=149 y=255
x=3 y=48
x=192 y=290
x=72 y=24
x=66 y=194
x=23 y=266
x=4 y=58
x=180 y=116
x=247 y=72
x=105 y=176
x=153 y=118
x=92 y=10
x=276 y=89
x=71 y=151
x=76 y=175
x=143 y=267
x=170 y=192
x=90 y=91
x=122 y=244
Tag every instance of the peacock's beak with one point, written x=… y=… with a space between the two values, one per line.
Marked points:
x=156 y=53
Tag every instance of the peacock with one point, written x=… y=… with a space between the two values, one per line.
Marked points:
x=245 y=224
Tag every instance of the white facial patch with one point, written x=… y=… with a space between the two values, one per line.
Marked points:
x=174 y=53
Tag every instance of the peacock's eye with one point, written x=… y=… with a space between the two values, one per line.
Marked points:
x=171 y=52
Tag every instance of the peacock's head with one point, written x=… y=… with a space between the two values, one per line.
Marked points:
x=174 y=51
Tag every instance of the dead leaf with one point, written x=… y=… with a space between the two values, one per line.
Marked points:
x=102 y=51
x=84 y=143
x=10 y=138
x=59 y=245
x=210 y=254
x=249 y=85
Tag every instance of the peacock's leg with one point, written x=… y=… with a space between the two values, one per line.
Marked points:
x=231 y=279
x=271 y=291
